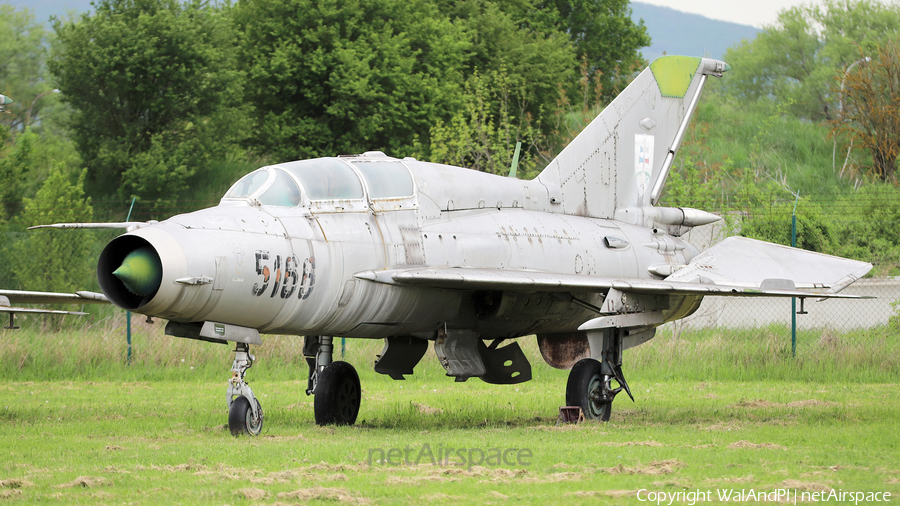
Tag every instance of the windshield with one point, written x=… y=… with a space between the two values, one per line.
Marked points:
x=283 y=191
x=248 y=184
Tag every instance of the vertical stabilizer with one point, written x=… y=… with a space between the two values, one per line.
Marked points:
x=622 y=158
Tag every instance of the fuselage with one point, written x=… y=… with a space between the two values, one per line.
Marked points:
x=280 y=252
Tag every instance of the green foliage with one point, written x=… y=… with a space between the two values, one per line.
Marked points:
x=773 y=223
x=22 y=71
x=605 y=36
x=482 y=135
x=802 y=56
x=52 y=261
x=25 y=162
x=342 y=77
x=145 y=77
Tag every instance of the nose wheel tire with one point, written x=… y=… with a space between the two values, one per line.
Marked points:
x=337 y=395
x=586 y=388
x=241 y=420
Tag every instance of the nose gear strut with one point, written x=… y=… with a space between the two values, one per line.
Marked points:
x=245 y=414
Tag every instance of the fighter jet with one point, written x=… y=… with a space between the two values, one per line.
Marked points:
x=374 y=247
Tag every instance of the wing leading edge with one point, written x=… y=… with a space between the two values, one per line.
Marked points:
x=737 y=267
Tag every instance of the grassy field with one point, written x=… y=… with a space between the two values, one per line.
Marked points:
x=715 y=412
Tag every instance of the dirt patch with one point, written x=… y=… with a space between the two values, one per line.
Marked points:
x=653 y=468
x=332 y=468
x=698 y=447
x=114 y=448
x=442 y=497
x=723 y=426
x=479 y=471
x=85 y=482
x=803 y=486
x=558 y=477
x=418 y=480
x=601 y=493
x=254 y=494
x=276 y=477
x=739 y=479
x=758 y=403
x=811 y=403
x=742 y=445
x=671 y=483
x=427 y=410
x=493 y=494
x=892 y=481
x=7 y=493
x=632 y=443
x=15 y=483
x=324 y=493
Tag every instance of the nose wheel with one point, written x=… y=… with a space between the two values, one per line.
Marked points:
x=245 y=414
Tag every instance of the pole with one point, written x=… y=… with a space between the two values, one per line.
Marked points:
x=128 y=313
x=794 y=299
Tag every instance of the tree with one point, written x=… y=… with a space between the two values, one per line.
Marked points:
x=335 y=77
x=146 y=77
x=22 y=58
x=870 y=115
x=605 y=36
x=57 y=262
x=797 y=58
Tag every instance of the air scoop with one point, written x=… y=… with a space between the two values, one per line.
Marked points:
x=141 y=271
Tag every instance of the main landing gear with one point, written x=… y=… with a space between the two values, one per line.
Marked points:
x=590 y=384
x=245 y=415
x=334 y=384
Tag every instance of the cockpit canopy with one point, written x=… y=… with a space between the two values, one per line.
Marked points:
x=325 y=179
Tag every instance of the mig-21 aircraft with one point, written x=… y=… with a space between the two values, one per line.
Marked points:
x=374 y=247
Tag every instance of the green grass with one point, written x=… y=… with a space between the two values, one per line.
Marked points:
x=713 y=411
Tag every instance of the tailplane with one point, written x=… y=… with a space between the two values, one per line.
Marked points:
x=617 y=166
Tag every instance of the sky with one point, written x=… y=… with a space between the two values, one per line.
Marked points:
x=745 y=12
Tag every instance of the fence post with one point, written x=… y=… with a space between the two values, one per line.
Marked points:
x=794 y=299
x=128 y=313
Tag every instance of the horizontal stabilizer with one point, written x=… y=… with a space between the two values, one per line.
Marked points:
x=748 y=263
x=24 y=297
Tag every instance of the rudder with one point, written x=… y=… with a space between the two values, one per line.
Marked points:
x=621 y=160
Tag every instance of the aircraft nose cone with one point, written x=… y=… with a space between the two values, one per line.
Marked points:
x=141 y=271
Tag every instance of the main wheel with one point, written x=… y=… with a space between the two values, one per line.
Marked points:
x=240 y=418
x=338 y=395
x=585 y=389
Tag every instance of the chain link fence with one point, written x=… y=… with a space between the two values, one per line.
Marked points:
x=65 y=261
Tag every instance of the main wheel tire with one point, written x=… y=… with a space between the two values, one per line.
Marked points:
x=585 y=389
x=240 y=418
x=338 y=395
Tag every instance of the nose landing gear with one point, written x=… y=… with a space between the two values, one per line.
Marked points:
x=245 y=414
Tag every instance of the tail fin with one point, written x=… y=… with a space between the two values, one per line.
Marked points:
x=621 y=160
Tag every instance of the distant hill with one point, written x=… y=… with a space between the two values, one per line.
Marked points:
x=672 y=31
x=677 y=32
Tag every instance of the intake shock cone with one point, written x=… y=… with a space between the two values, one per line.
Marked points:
x=140 y=271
